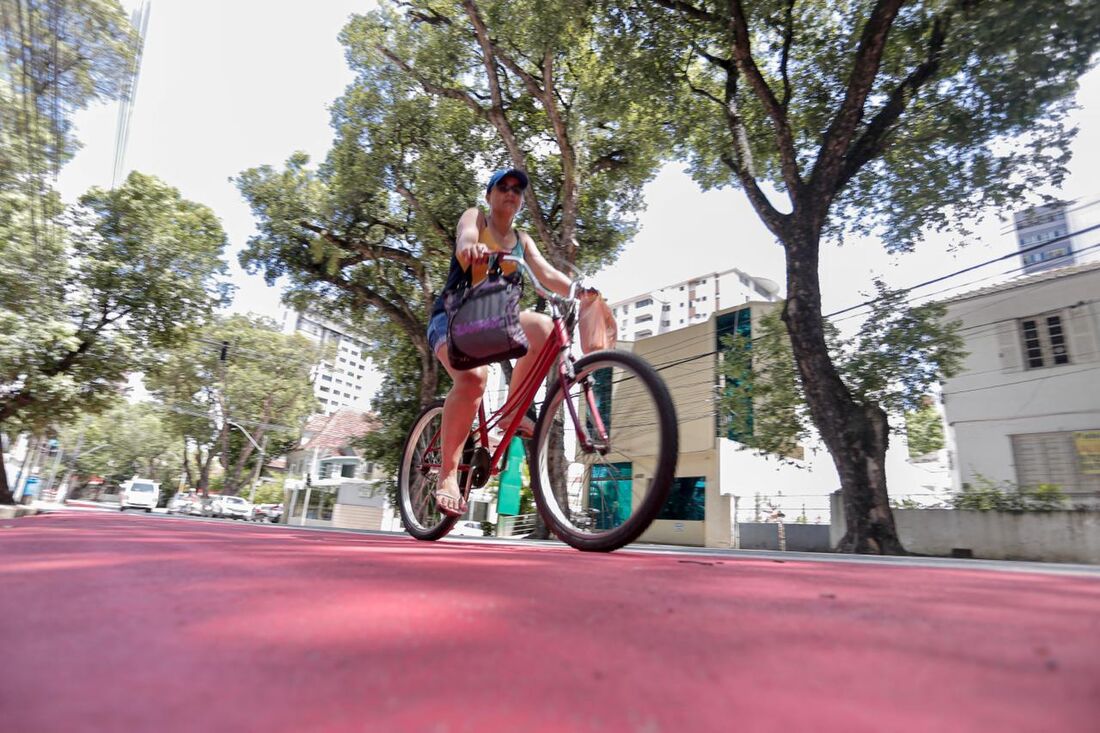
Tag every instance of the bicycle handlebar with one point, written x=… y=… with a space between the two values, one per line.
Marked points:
x=539 y=287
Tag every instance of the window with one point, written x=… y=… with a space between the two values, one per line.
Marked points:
x=643 y=318
x=642 y=335
x=609 y=493
x=347 y=470
x=686 y=500
x=666 y=308
x=1044 y=341
x=665 y=324
x=644 y=302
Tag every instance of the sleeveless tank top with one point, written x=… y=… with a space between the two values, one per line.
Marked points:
x=456 y=277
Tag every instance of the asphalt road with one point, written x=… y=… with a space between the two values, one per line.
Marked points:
x=129 y=622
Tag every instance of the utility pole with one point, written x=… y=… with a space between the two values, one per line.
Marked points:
x=223 y=357
x=259 y=468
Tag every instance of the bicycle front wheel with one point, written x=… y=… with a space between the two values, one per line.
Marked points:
x=605 y=452
x=418 y=477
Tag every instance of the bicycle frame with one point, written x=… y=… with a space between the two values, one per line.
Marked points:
x=523 y=396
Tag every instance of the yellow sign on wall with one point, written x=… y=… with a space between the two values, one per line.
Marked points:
x=1088 y=451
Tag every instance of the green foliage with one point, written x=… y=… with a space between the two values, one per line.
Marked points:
x=50 y=75
x=270 y=492
x=762 y=399
x=127 y=440
x=263 y=385
x=985 y=495
x=895 y=357
x=924 y=428
x=141 y=265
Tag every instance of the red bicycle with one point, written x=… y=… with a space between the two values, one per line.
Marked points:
x=603 y=455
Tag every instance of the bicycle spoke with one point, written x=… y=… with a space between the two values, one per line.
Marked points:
x=600 y=495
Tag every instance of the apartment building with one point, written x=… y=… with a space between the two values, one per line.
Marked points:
x=341 y=382
x=689 y=302
x=1043 y=236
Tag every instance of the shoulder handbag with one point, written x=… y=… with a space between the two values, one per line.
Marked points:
x=483 y=321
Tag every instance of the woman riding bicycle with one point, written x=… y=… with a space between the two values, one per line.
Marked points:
x=479 y=236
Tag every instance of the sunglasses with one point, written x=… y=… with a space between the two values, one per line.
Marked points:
x=509 y=189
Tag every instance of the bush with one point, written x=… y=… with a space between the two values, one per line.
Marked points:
x=984 y=495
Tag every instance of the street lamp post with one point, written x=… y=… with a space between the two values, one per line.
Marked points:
x=259 y=463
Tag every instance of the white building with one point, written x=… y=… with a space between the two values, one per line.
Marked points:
x=1026 y=408
x=342 y=382
x=689 y=302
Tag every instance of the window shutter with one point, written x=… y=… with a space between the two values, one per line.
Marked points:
x=1008 y=346
x=1081 y=327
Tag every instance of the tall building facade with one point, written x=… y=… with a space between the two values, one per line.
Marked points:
x=688 y=302
x=340 y=382
x=1043 y=237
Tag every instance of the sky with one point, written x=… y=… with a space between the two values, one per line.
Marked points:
x=231 y=84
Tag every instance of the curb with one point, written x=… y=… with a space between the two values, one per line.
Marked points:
x=9 y=511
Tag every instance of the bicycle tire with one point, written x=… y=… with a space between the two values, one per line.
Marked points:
x=418 y=513
x=661 y=467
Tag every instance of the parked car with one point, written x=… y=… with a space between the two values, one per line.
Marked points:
x=181 y=502
x=201 y=506
x=139 y=493
x=268 y=513
x=233 y=507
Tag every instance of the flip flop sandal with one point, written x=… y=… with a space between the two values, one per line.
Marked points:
x=458 y=508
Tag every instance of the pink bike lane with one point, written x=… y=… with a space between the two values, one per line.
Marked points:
x=130 y=622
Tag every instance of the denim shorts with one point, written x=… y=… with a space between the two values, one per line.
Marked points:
x=437 y=330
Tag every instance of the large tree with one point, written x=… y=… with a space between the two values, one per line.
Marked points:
x=879 y=117
x=239 y=372
x=139 y=268
x=446 y=92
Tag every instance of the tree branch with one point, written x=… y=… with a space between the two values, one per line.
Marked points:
x=872 y=140
x=838 y=137
x=370 y=250
x=742 y=54
x=497 y=116
x=788 y=39
x=740 y=161
x=690 y=10
x=431 y=87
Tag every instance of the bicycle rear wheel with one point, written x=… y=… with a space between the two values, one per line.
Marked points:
x=602 y=496
x=418 y=476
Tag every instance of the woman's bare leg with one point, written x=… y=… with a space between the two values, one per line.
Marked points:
x=459 y=409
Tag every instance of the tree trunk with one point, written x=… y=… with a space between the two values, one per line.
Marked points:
x=187 y=466
x=204 y=470
x=856 y=434
x=429 y=375
x=6 y=495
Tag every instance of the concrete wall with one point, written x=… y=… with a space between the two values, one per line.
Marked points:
x=1041 y=536
x=1038 y=536
x=800 y=537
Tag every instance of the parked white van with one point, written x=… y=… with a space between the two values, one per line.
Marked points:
x=139 y=493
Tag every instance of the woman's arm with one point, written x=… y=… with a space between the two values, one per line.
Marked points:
x=544 y=271
x=467 y=248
